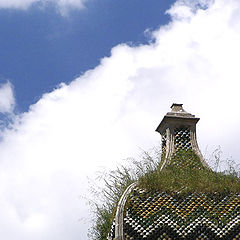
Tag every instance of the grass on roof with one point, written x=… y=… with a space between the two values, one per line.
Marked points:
x=186 y=174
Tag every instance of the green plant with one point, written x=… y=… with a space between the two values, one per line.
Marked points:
x=103 y=221
x=185 y=175
x=173 y=180
x=115 y=183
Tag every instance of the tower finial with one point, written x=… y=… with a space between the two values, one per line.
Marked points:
x=177 y=107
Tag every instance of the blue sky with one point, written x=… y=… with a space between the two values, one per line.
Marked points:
x=85 y=83
x=40 y=48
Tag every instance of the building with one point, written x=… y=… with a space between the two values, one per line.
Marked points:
x=170 y=214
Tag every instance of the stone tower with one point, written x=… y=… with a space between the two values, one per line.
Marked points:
x=146 y=213
x=178 y=132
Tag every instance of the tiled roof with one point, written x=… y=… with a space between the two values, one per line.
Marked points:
x=193 y=216
x=143 y=215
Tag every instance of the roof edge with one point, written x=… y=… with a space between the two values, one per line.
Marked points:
x=119 y=217
x=160 y=126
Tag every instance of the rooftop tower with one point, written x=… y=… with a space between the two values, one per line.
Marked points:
x=178 y=132
x=201 y=211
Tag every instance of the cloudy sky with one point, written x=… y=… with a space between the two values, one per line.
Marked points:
x=85 y=83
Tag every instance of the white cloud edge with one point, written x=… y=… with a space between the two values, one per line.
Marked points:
x=62 y=6
x=7 y=99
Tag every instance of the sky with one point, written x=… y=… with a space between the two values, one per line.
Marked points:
x=85 y=83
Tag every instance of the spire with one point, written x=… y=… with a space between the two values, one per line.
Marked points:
x=178 y=131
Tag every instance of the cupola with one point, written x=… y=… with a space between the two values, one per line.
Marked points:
x=178 y=132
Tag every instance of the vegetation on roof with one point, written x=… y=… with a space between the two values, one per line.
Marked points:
x=184 y=175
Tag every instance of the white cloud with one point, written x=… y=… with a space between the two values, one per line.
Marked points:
x=22 y=4
x=110 y=111
x=7 y=100
x=62 y=5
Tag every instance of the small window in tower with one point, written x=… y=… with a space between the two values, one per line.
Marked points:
x=182 y=139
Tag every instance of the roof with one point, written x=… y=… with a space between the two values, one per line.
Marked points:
x=162 y=215
x=177 y=114
x=179 y=205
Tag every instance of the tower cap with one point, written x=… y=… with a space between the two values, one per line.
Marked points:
x=177 y=115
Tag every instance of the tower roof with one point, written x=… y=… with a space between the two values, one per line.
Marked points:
x=153 y=211
x=177 y=115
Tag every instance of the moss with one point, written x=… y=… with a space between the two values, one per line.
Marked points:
x=185 y=159
x=186 y=174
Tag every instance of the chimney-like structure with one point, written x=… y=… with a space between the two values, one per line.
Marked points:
x=178 y=132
